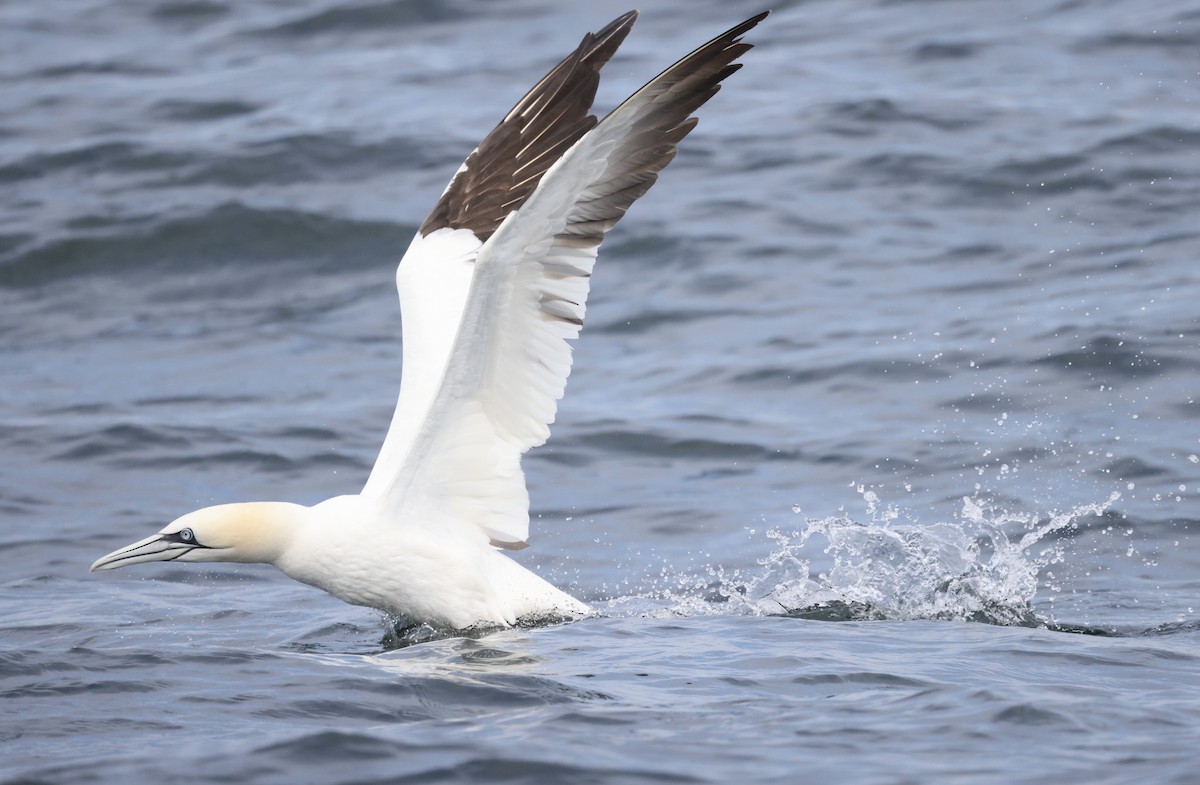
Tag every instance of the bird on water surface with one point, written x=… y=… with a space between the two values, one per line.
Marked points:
x=491 y=289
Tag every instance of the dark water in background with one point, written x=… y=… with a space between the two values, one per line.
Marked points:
x=926 y=273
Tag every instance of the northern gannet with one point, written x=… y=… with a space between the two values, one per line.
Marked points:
x=491 y=289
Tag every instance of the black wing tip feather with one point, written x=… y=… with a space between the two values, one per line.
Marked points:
x=657 y=118
x=508 y=164
x=749 y=23
x=734 y=33
x=705 y=67
x=625 y=20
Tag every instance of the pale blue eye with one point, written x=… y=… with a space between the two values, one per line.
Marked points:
x=187 y=535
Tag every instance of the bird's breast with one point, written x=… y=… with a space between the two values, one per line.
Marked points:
x=433 y=571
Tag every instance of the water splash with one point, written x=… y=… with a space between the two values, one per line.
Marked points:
x=986 y=565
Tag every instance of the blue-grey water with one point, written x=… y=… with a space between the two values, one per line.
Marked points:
x=880 y=458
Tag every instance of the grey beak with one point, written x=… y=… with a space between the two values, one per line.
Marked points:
x=154 y=548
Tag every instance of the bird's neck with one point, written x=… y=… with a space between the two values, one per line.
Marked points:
x=253 y=531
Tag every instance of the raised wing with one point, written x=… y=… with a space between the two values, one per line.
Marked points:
x=435 y=274
x=510 y=360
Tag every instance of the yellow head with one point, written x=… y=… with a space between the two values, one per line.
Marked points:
x=249 y=532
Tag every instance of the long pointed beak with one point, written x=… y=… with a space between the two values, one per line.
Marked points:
x=153 y=548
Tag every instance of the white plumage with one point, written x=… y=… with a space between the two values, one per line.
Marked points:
x=491 y=289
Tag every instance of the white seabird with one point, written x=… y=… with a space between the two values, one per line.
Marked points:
x=491 y=289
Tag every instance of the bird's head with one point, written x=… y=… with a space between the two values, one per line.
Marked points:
x=250 y=532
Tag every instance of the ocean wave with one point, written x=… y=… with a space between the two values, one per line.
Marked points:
x=225 y=235
x=1111 y=360
x=362 y=17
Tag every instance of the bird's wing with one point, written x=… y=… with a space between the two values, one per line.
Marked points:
x=435 y=274
x=509 y=362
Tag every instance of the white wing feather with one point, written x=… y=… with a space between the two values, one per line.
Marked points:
x=510 y=359
x=435 y=274
x=432 y=279
x=509 y=364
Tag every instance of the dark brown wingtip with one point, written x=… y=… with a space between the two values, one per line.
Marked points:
x=749 y=24
x=705 y=66
x=509 y=163
x=624 y=23
x=657 y=117
x=733 y=33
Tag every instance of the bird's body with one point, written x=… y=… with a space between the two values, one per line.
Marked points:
x=437 y=571
x=491 y=289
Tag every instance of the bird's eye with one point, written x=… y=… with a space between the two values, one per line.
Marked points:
x=187 y=535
